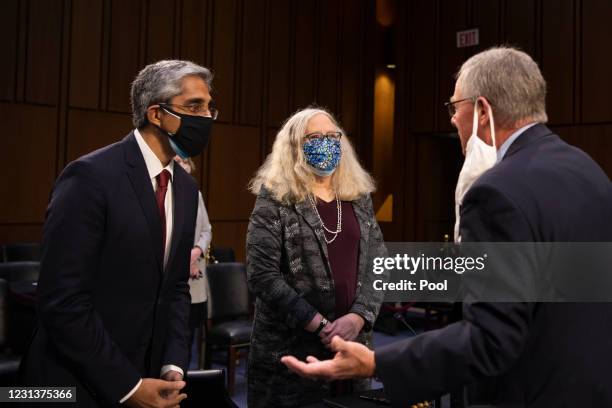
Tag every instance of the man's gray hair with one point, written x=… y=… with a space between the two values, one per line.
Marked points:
x=159 y=83
x=510 y=80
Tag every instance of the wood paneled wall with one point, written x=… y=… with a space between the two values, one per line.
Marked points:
x=69 y=63
x=68 y=66
x=566 y=37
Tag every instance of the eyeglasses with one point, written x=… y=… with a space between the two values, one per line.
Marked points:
x=320 y=135
x=452 y=109
x=197 y=109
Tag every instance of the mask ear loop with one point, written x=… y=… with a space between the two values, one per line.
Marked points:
x=475 y=119
x=492 y=125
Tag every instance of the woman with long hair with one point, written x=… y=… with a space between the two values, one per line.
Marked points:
x=311 y=237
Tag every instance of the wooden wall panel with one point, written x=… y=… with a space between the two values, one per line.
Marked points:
x=85 y=53
x=28 y=162
x=520 y=25
x=596 y=63
x=231 y=234
x=224 y=56
x=306 y=21
x=595 y=140
x=558 y=59
x=9 y=16
x=194 y=29
x=160 y=30
x=452 y=15
x=11 y=233
x=234 y=158
x=439 y=160
x=485 y=16
x=44 y=51
x=279 y=67
x=350 y=76
x=124 y=52
x=90 y=130
x=422 y=65
x=252 y=64
x=329 y=55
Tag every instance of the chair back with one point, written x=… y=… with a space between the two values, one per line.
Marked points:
x=229 y=294
x=206 y=388
x=3 y=313
x=20 y=271
x=222 y=254
x=29 y=251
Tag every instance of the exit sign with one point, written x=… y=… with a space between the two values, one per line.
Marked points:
x=467 y=38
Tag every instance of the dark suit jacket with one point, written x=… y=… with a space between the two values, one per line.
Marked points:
x=540 y=355
x=109 y=312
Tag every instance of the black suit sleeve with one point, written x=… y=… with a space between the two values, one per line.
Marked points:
x=489 y=339
x=72 y=237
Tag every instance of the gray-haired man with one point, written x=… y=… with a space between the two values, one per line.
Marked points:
x=113 y=294
x=520 y=183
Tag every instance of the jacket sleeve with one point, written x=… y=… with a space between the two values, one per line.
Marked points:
x=72 y=236
x=264 y=249
x=367 y=302
x=202 y=226
x=489 y=339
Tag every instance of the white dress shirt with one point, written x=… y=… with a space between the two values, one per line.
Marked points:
x=154 y=167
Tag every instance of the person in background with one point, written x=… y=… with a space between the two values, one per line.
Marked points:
x=310 y=238
x=198 y=283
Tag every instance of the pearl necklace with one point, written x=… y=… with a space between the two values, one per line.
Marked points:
x=338 y=225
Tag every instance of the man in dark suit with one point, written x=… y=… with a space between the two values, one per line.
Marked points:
x=536 y=188
x=113 y=296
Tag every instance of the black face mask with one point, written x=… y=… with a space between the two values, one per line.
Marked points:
x=192 y=135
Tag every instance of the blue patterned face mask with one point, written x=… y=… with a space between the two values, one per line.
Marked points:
x=322 y=154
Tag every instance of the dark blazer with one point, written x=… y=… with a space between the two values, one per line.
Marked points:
x=289 y=272
x=109 y=312
x=540 y=355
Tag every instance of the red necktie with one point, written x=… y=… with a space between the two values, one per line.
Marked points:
x=160 y=196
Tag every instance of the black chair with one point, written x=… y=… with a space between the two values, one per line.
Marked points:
x=22 y=252
x=229 y=325
x=222 y=254
x=9 y=361
x=206 y=388
x=20 y=271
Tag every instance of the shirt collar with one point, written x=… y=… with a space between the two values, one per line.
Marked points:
x=506 y=145
x=154 y=165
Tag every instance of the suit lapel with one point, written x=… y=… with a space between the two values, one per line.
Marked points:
x=141 y=183
x=178 y=216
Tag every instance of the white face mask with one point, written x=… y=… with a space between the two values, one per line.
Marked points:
x=479 y=157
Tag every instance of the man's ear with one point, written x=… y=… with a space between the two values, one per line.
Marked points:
x=154 y=115
x=483 y=111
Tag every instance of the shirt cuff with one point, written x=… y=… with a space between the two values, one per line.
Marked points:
x=129 y=394
x=170 y=367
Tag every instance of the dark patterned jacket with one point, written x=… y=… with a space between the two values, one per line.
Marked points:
x=289 y=273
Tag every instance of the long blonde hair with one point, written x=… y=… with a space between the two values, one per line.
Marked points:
x=288 y=176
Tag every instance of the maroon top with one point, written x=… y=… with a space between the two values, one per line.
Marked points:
x=343 y=252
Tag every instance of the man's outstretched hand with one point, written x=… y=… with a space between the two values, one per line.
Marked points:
x=352 y=360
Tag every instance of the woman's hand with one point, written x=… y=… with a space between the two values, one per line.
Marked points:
x=194 y=270
x=347 y=327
